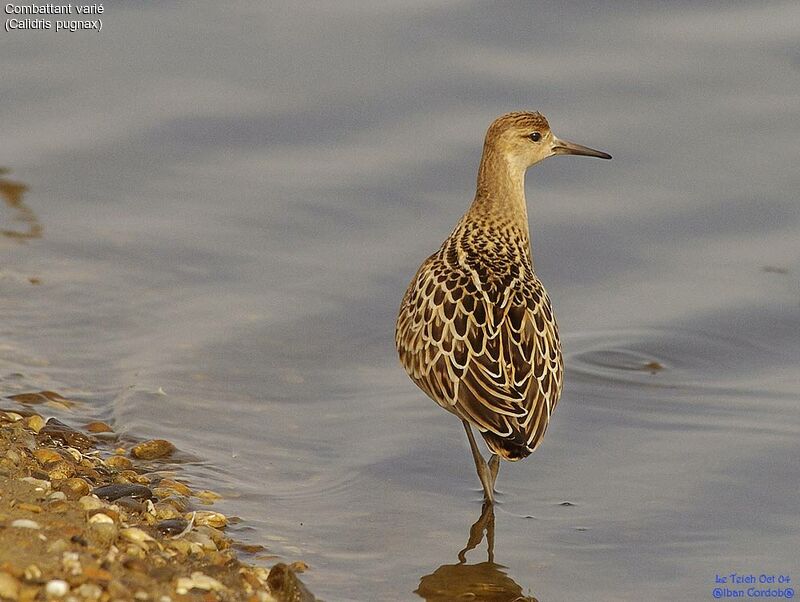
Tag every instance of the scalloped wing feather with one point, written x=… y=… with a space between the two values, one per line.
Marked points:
x=496 y=364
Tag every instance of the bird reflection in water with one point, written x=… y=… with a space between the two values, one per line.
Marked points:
x=481 y=582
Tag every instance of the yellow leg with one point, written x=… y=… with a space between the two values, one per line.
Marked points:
x=480 y=465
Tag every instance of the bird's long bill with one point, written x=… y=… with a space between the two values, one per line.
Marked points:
x=562 y=147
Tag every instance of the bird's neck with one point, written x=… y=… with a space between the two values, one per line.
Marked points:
x=500 y=194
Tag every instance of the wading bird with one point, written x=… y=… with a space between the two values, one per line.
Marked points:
x=476 y=330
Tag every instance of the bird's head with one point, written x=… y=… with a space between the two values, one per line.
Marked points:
x=524 y=139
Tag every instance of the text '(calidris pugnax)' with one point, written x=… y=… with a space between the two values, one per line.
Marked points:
x=476 y=329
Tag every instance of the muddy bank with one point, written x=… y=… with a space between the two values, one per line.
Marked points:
x=85 y=516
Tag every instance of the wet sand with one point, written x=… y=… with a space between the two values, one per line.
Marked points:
x=85 y=516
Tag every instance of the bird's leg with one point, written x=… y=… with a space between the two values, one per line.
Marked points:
x=480 y=465
x=494 y=468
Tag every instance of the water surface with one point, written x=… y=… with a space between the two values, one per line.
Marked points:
x=226 y=203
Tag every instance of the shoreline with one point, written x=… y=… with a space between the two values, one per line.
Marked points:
x=87 y=516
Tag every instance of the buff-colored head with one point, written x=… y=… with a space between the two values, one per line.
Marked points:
x=524 y=139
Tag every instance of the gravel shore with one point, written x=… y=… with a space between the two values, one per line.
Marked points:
x=85 y=517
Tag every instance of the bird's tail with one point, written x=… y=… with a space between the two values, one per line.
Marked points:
x=511 y=448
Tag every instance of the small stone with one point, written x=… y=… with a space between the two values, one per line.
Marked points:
x=74 y=454
x=98 y=574
x=212 y=519
x=58 y=506
x=172 y=526
x=100 y=518
x=46 y=455
x=34 y=423
x=152 y=449
x=199 y=581
x=175 y=486
x=71 y=563
x=99 y=427
x=178 y=502
x=90 y=591
x=89 y=503
x=118 y=490
x=119 y=462
x=131 y=476
x=131 y=504
x=38 y=484
x=9 y=587
x=207 y=497
x=29 y=507
x=57 y=547
x=56 y=588
x=24 y=523
x=101 y=534
x=202 y=540
x=135 y=535
x=55 y=430
x=31 y=573
x=75 y=487
x=166 y=511
x=57 y=495
x=60 y=471
x=286 y=585
x=13 y=456
x=117 y=590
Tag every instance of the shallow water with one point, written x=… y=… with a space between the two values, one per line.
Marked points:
x=226 y=204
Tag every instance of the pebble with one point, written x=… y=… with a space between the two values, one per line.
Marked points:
x=71 y=563
x=55 y=430
x=57 y=495
x=99 y=427
x=202 y=540
x=46 y=455
x=60 y=471
x=24 y=523
x=130 y=504
x=39 y=484
x=29 y=507
x=119 y=462
x=98 y=574
x=286 y=586
x=101 y=534
x=118 y=490
x=175 y=486
x=56 y=588
x=75 y=454
x=212 y=519
x=75 y=487
x=90 y=591
x=101 y=518
x=35 y=423
x=32 y=573
x=136 y=535
x=207 y=497
x=9 y=587
x=152 y=449
x=89 y=503
x=172 y=526
x=200 y=581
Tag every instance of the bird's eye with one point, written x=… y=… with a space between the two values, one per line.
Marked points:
x=536 y=136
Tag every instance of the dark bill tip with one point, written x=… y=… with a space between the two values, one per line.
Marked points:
x=562 y=147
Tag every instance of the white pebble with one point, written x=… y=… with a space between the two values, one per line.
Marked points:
x=101 y=518
x=24 y=523
x=57 y=588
